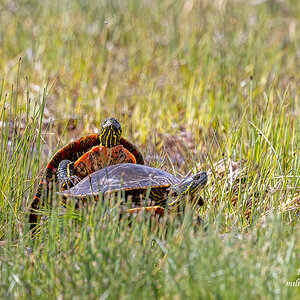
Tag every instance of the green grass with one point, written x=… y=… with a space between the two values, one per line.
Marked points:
x=193 y=83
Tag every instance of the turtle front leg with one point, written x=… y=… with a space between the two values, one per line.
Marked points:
x=65 y=174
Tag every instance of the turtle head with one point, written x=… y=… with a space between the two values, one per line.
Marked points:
x=189 y=186
x=110 y=132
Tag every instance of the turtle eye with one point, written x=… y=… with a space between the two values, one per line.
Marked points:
x=196 y=177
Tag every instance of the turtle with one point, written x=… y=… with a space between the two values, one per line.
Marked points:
x=110 y=152
x=85 y=155
x=139 y=182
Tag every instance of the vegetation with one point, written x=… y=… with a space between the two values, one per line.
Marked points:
x=197 y=85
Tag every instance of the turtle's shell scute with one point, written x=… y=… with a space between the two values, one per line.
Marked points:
x=122 y=177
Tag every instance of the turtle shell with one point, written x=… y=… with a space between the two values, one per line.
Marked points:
x=100 y=157
x=125 y=177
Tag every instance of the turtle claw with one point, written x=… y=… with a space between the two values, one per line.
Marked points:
x=64 y=184
x=74 y=179
x=67 y=183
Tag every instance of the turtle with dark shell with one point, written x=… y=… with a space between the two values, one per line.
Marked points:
x=83 y=157
x=139 y=182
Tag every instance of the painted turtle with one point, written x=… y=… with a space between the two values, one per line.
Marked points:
x=136 y=180
x=111 y=151
x=85 y=155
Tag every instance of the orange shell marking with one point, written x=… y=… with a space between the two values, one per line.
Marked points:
x=100 y=157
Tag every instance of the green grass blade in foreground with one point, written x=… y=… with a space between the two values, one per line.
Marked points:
x=88 y=259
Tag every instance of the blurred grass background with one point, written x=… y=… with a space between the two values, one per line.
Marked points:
x=192 y=83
